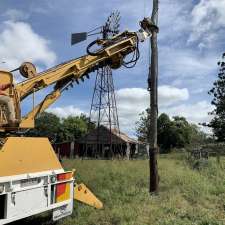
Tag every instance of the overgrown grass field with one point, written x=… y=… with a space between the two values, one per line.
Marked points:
x=186 y=196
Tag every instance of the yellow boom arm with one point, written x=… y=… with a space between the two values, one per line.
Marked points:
x=76 y=68
x=112 y=52
x=28 y=120
x=69 y=72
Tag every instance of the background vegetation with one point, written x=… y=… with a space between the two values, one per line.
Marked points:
x=60 y=129
x=218 y=94
x=172 y=133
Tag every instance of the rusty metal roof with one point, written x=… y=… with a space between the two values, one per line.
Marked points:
x=103 y=136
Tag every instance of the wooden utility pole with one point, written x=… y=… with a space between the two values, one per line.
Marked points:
x=153 y=86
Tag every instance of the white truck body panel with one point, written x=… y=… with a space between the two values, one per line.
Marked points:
x=25 y=195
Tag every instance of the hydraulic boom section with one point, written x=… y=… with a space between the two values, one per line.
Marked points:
x=109 y=52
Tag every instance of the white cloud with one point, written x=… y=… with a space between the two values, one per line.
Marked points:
x=177 y=62
x=66 y=111
x=196 y=112
x=174 y=20
x=207 y=19
x=15 y=15
x=169 y=95
x=20 y=43
x=173 y=101
x=132 y=101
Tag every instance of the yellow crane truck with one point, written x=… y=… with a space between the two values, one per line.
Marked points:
x=32 y=180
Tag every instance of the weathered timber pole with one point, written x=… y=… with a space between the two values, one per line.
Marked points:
x=153 y=86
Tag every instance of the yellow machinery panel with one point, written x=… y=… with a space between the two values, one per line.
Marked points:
x=22 y=155
x=6 y=78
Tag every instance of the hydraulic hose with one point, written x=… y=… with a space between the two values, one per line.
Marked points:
x=100 y=51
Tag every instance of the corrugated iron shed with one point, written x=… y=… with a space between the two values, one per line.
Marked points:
x=101 y=135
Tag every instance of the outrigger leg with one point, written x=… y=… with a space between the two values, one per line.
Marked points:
x=84 y=195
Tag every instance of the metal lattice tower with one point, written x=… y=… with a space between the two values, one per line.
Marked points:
x=103 y=107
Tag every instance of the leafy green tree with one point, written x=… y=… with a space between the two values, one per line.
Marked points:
x=164 y=131
x=218 y=94
x=142 y=126
x=198 y=137
x=183 y=131
x=60 y=130
x=74 y=127
x=171 y=133
x=46 y=125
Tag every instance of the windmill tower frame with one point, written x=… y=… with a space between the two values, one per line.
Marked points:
x=103 y=110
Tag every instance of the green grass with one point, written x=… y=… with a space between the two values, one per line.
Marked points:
x=186 y=197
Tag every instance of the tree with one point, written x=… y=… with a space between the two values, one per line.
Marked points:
x=183 y=131
x=60 y=130
x=198 y=137
x=218 y=94
x=175 y=133
x=46 y=125
x=74 y=127
x=164 y=131
x=142 y=126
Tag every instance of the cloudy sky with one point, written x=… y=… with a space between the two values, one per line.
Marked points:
x=190 y=44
